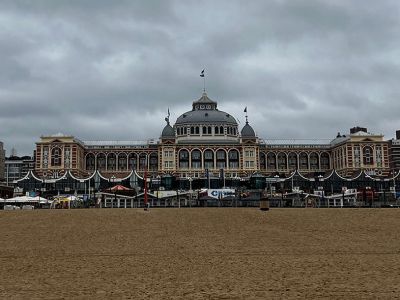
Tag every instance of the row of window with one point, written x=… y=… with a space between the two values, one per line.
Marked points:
x=293 y=161
x=206 y=130
x=121 y=162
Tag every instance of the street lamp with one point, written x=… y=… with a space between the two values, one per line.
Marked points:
x=394 y=183
x=276 y=177
x=190 y=190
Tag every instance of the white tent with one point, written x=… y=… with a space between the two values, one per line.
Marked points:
x=27 y=199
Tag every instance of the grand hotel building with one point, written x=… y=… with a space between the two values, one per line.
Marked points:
x=206 y=140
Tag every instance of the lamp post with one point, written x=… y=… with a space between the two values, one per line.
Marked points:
x=394 y=184
x=276 y=179
x=115 y=192
x=190 y=190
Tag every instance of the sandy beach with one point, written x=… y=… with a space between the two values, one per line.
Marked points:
x=210 y=253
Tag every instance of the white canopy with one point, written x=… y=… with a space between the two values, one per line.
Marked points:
x=27 y=199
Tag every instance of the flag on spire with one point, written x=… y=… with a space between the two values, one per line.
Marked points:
x=168 y=113
x=245 y=109
x=202 y=74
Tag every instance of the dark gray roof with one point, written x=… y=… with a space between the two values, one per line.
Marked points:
x=205 y=116
x=247 y=131
x=204 y=99
x=168 y=131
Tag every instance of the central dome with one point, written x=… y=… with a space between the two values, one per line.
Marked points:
x=206 y=123
x=205 y=111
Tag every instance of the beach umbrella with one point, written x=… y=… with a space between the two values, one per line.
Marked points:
x=119 y=187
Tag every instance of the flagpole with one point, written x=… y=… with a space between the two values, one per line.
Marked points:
x=145 y=186
x=204 y=80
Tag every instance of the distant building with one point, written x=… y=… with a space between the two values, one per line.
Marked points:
x=17 y=167
x=395 y=152
x=2 y=159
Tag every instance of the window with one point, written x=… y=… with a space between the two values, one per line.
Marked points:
x=208 y=154
x=168 y=153
x=196 y=159
x=249 y=153
x=56 y=157
x=249 y=164
x=357 y=157
x=368 y=156
x=184 y=159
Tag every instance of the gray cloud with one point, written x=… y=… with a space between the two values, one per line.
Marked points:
x=104 y=70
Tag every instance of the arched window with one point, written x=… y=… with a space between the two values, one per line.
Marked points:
x=197 y=130
x=292 y=158
x=233 y=156
x=303 y=161
x=142 y=161
x=282 y=164
x=221 y=130
x=221 y=159
x=183 y=159
x=192 y=130
x=153 y=162
x=204 y=130
x=101 y=161
x=209 y=130
x=216 y=129
x=262 y=161
x=314 y=163
x=325 y=161
x=132 y=161
x=122 y=162
x=271 y=161
x=208 y=159
x=56 y=157
x=196 y=159
x=111 y=162
x=90 y=162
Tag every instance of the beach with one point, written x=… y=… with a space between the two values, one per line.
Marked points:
x=200 y=253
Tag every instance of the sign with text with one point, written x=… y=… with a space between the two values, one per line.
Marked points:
x=220 y=193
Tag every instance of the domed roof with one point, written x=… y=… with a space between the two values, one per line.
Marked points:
x=247 y=131
x=168 y=131
x=205 y=116
x=205 y=111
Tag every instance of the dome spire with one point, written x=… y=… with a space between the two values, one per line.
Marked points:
x=167 y=117
x=247 y=117
x=168 y=131
x=204 y=80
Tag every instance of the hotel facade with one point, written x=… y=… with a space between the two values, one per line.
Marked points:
x=208 y=142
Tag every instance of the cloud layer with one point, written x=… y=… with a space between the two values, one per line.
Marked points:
x=109 y=70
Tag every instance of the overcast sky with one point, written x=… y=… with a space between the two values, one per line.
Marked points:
x=109 y=70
